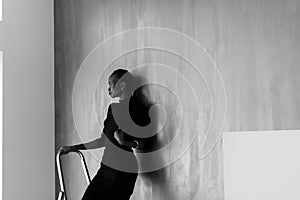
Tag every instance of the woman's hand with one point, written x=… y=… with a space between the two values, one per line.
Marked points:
x=119 y=136
x=67 y=149
x=139 y=145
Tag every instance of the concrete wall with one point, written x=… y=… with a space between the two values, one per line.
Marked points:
x=26 y=39
x=254 y=44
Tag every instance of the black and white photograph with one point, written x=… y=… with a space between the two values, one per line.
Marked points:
x=150 y=99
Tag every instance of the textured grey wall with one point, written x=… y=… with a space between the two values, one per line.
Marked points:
x=26 y=38
x=255 y=44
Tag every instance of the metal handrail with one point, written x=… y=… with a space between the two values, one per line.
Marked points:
x=62 y=193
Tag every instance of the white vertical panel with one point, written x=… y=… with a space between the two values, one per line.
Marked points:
x=28 y=105
x=0 y=10
x=262 y=165
x=1 y=118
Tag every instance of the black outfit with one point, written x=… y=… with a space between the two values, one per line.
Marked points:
x=111 y=183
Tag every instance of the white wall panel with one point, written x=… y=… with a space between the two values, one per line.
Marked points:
x=261 y=165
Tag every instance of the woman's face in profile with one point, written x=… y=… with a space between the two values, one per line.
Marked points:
x=113 y=88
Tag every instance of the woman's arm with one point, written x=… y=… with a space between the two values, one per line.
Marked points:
x=95 y=144
x=119 y=136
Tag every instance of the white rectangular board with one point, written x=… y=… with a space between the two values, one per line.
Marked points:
x=262 y=165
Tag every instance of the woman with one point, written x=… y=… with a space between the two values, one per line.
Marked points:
x=111 y=181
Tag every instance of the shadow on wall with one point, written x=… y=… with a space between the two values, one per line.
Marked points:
x=148 y=95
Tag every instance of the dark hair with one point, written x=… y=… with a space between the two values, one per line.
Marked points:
x=126 y=77
x=119 y=73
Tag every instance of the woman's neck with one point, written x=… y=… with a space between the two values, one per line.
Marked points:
x=124 y=96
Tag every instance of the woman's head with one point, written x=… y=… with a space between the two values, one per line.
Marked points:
x=120 y=84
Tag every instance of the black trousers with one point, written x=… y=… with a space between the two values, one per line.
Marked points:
x=110 y=184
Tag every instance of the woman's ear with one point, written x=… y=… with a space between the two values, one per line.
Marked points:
x=122 y=86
